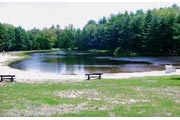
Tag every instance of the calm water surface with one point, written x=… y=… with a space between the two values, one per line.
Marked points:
x=63 y=62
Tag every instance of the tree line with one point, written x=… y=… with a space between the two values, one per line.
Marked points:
x=154 y=32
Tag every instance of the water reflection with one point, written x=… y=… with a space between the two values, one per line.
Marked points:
x=63 y=62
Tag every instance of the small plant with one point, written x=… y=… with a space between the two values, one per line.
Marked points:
x=118 y=51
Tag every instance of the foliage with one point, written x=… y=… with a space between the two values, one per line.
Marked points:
x=118 y=51
x=155 y=32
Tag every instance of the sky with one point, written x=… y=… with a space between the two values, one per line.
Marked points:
x=45 y=14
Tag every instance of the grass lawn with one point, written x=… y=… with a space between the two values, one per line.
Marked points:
x=148 y=96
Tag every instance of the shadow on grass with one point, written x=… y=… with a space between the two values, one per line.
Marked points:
x=175 y=78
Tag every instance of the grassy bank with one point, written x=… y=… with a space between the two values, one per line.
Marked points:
x=100 y=51
x=148 y=96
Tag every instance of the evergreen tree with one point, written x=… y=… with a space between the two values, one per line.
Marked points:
x=3 y=36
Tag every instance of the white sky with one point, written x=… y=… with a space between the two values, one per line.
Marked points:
x=44 y=14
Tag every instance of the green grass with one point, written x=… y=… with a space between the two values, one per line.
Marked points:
x=147 y=96
x=86 y=114
x=99 y=51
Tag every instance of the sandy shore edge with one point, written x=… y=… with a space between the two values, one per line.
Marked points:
x=32 y=77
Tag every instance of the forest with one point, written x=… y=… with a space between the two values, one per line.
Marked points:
x=152 y=33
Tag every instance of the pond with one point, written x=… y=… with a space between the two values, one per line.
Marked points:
x=64 y=62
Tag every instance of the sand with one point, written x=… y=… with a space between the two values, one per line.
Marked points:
x=33 y=77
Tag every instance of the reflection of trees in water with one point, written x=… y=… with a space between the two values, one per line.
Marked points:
x=80 y=63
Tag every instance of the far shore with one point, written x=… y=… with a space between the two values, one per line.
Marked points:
x=33 y=77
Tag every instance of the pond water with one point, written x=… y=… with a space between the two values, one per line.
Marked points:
x=64 y=62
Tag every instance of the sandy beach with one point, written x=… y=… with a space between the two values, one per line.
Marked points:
x=31 y=77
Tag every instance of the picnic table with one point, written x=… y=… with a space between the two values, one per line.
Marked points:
x=9 y=77
x=93 y=75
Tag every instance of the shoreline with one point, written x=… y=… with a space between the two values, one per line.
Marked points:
x=34 y=77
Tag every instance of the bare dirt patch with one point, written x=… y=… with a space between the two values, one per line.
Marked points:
x=52 y=110
x=47 y=110
x=76 y=93
x=93 y=100
x=98 y=96
x=3 y=83
x=171 y=92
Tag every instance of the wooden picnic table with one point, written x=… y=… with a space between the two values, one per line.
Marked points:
x=93 y=75
x=9 y=77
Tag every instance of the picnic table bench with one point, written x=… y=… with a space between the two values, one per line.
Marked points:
x=10 y=77
x=169 y=68
x=93 y=75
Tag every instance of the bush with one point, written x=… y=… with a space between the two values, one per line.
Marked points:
x=120 y=52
